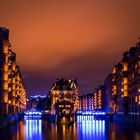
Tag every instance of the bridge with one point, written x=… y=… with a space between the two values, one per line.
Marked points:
x=30 y=114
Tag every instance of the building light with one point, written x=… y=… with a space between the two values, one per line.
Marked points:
x=125 y=80
x=122 y=89
x=125 y=87
x=125 y=93
x=5 y=48
x=5 y=86
x=114 y=70
x=114 y=87
x=125 y=67
x=136 y=99
x=5 y=67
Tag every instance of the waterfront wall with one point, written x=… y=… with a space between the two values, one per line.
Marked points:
x=127 y=119
x=9 y=119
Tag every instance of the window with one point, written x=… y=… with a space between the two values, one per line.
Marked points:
x=125 y=67
x=136 y=66
x=125 y=93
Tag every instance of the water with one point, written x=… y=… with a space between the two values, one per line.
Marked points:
x=85 y=128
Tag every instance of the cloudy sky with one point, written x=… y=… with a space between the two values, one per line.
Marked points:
x=80 y=39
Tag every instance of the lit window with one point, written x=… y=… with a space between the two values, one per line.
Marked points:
x=5 y=98
x=136 y=99
x=125 y=93
x=114 y=70
x=5 y=76
x=136 y=66
x=5 y=48
x=139 y=63
x=125 y=87
x=5 y=86
x=125 y=80
x=125 y=67
x=5 y=67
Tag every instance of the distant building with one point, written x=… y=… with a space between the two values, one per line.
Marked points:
x=33 y=101
x=99 y=99
x=93 y=101
x=64 y=96
x=86 y=102
x=12 y=89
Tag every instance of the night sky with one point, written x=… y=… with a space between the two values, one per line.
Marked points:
x=69 y=39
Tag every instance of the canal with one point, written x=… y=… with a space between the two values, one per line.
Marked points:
x=85 y=128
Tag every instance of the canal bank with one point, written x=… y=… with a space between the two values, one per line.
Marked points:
x=7 y=120
x=49 y=117
x=133 y=120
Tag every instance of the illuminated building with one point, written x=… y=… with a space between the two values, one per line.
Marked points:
x=120 y=94
x=80 y=107
x=93 y=101
x=86 y=102
x=12 y=90
x=134 y=80
x=98 y=99
x=126 y=83
x=83 y=102
x=64 y=96
x=108 y=100
x=90 y=101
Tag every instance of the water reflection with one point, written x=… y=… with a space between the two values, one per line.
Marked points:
x=33 y=129
x=85 y=128
x=88 y=128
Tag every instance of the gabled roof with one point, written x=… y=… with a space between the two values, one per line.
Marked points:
x=63 y=84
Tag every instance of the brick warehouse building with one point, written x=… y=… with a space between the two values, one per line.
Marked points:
x=64 y=96
x=93 y=101
x=120 y=93
x=126 y=83
x=12 y=90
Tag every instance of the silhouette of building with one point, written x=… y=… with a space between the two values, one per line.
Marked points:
x=33 y=101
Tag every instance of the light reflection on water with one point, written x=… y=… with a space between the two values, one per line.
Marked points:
x=88 y=128
x=85 y=128
x=33 y=129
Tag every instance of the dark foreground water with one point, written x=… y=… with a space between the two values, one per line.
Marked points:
x=85 y=128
